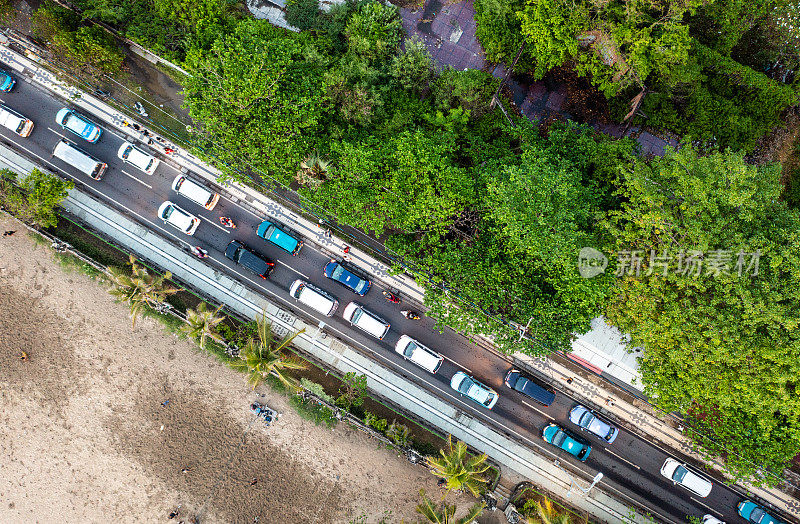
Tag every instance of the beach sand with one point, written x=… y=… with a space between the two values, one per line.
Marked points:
x=84 y=436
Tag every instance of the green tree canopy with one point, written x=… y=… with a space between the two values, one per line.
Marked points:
x=720 y=334
x=258 y=100
x=36 y=198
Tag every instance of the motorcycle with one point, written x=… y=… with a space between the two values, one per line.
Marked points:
x=199 y=252
x=140 y=109
x=227 y=222
x=409 y=314
x=391 y=297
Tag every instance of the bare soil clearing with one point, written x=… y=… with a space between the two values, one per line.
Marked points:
x=84 y=436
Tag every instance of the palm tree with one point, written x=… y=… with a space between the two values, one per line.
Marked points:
x=444 y=513
x=264 y=356
x=140 y=288
x=313 y=170
x=547 y=513
x=201 y=324
x=459 y=469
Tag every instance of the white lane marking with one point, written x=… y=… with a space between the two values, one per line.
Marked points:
x=56 y=132
x=709 y=508
x=133 y=177
x=457 y=364
x=111 y=131
x=538 y=410
x=621 y=458
x=293 y=269
x=225 y=229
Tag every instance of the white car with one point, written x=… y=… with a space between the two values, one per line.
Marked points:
x=681 y=475
x=420 y=355
x=178 y=218
x=711 y=519
x=137 y=158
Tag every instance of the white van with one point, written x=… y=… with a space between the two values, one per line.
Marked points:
x=195 y=192
x=366 y=321
x=313 y=297
x=137 y=158
x=15 y=122
x=420 y=355
x=83 y=162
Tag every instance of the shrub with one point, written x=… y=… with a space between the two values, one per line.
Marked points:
x=400 y=434
x=372 y=420
x=375 y=31
x=302 y=13
x=413 y=69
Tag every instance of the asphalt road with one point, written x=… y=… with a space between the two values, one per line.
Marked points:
x=630 y=465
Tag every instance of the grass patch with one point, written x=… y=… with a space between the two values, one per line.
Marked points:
x=97 y=249
x=310 y=410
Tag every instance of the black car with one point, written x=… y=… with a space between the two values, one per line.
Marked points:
x=529 y=387
x=237 y=252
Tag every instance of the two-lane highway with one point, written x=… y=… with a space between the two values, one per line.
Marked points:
x=630 y=465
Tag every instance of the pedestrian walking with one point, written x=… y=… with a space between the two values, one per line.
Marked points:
x=254 y=481
x=8 y=233
x=346 y=249
x=186 y=470
x=328 y=233
x=569 y=380
x=164 y=404
x=610 y=402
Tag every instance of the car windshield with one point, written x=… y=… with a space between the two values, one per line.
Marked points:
x=410 y=348
x=268 y=232
x=337 y=273
x=521 y=383
x=356 y=315
x=167 y=212
x=756 y=514
x=127 y=152
x=680 y=473
x=465 y=386
x=586 y=420
x=559 y=438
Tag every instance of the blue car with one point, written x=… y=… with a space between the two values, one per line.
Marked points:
x=755 y=513
x=578 y=448
x=336 y=271
x=80 y=125
x=272 y=233
x=6 y=81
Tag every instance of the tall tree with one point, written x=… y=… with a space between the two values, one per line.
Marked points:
x=460 y=469
x=716 y=304
x=265 y=355
x=444 y=513
x=258 y=101
x=140 y=288
x=35 y=198
x=201 y=324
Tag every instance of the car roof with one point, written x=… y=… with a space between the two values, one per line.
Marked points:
x=138 y=157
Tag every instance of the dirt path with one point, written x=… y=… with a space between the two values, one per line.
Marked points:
x=84 y=436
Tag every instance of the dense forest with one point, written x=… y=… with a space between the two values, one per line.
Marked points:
x=704 y=243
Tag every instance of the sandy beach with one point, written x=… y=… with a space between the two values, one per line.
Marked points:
x=105 y=423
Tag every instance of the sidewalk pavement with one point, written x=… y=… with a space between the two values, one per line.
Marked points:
x=631 y=413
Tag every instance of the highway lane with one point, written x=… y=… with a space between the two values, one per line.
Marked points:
x=631 y=465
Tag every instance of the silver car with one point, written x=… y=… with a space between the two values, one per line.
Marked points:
x=588 y=421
